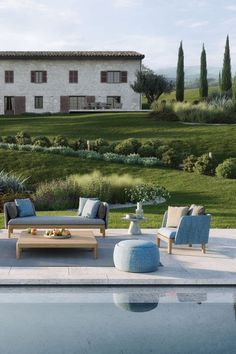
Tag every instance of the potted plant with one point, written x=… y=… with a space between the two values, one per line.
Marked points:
x=142 y=193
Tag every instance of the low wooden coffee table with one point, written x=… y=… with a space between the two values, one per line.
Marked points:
x=78 y=239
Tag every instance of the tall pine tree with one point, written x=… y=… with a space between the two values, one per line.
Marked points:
x=226 y=79
x=180 y=75
x=203 y=89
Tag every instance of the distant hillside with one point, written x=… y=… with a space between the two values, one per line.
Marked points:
x=192 y=74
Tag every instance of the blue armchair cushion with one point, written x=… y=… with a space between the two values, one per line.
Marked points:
x=91 y=208
x=167 y=232
x=193 y=229
x=25 y=207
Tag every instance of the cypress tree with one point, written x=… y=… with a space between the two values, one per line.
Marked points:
x=220 y=81
x=226 y=72
x=203 y=90
x=180 y=75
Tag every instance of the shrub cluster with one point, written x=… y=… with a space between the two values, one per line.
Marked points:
x=64 y=194
x=207 y=165
x=227 y=169
x=217 y=109
x=130 y=151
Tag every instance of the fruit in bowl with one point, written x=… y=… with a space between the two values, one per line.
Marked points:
x=32 y=231
x=58 y=232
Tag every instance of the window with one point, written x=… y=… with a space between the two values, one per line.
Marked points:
x=38 y=102
x=114 y=77
x=73 y=76
x=9 y=77
x=114 y=101
x=38 y=77
x=77 y=102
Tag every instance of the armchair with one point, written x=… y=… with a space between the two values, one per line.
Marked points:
x=191 y=230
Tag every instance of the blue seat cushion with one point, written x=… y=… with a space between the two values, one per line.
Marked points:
x=55 y=220
x=168 y=232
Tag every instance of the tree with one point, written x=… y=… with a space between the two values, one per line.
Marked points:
x=234 y=88
x=180 y=75
x=203 y=90
x=220 y=81
x=151 y=85
x=226 y=78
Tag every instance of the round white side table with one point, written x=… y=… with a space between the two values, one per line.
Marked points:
x=134 y=228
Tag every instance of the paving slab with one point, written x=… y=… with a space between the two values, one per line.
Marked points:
x=186 y=266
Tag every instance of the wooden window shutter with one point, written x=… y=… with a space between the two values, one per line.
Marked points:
x=44 y=76
x=71 y=76
x=19 y=104
x=11 y=76
x=6 y=76
x=33 y=76
x=90 y=99
x=103 y=76
x=123 y=76
x=65 y=104
x=75 y=76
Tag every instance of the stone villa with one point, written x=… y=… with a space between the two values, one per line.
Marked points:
x=55 y=81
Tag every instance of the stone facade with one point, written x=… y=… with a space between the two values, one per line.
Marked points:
x=19 y=96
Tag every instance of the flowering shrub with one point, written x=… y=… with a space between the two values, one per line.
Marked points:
x=133 y=159
x=147 y=193
x=112 y=157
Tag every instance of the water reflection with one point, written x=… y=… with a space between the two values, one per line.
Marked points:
x=135 y=302
x=192 y=297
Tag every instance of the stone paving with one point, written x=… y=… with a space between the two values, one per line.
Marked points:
x=186 y=266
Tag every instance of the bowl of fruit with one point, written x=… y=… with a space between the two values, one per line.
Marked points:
x=58 y=233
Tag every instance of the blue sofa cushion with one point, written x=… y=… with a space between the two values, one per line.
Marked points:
x=90 y=209
x=82 y=202
x=25 y=207
x=167 y=232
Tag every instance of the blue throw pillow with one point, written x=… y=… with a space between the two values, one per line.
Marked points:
x=25 y=207
x=82 y=202
x=91 y=208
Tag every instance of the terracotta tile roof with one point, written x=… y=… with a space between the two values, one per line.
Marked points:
x=70 y=55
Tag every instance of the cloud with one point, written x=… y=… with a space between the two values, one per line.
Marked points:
x=21 y=4
x=231 y=7
x=127 y=3
x=191 y=23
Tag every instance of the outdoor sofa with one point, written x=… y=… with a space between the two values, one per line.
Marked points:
x=98 y=219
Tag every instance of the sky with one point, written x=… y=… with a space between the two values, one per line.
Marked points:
x=152 y=27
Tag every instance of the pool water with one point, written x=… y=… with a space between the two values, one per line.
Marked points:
x=117 y=320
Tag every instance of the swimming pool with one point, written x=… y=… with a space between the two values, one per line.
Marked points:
x=111 y=320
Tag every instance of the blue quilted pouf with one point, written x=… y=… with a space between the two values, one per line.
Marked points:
x=136 y=256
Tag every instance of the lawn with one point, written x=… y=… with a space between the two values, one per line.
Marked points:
x=219 y=139
x=190 y=95
x=217 y=195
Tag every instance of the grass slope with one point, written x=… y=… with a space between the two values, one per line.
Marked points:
x=217 y=195
x=220 y=139
x=190 y=95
